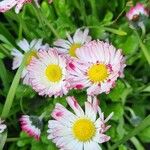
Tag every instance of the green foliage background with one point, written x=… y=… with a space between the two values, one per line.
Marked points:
x=129 y=100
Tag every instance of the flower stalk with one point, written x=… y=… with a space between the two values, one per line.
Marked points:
x=13 y=87
x=145 y=123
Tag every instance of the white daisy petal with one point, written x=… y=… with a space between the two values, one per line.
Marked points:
x=70 y=46
x=91 y=145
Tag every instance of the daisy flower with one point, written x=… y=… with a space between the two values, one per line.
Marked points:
x=34 y=46
x=32 y=125
x=97 y=68
x=6 y=5
x=2 y=126
x=49 y=74
x=70 y=46
x=134 y=13
x=79 y=130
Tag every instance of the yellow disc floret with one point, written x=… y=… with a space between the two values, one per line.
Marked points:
x=31 y=55
x=72 y=50
x=97 y=73
x=84 y=129
x=54 y=73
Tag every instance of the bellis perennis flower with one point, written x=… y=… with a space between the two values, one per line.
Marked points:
x=97 y=68
x=2 y=126
x=34 y=46
x=134 y=13
x=70 y=46
x=79 y=130
x=6 y=5
x=49 y=74
x=32 y=125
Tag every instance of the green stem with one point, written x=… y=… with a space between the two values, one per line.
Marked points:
x=136 y=143
x=143 y=47
x=131 y=111
x=115 y=31
x=145 y=123
x=16 y=139
x=13 y=87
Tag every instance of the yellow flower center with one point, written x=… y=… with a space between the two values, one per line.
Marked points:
x=72 y=50
x=84 y=130
x=97 y=73
x=31 y=55
x=53 y=73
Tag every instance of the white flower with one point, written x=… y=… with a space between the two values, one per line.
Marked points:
x=70 y=46
x=79 y=131
x=48 y=73
x=97 y=68
x=34 y=47
x=2 y=126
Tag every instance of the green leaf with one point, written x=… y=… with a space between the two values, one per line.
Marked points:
x=145 y=135
x=118 y=110
x=24 y=140
x=129 y=45
x=108 y=17
x=116 y=93
x=115 y=31
x=4 y=75
x=3 y=137
x=4 y=40
x=37 y=145
x=122 y=147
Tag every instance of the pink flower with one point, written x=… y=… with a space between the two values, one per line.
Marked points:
x=81 y=130
x=97 y=68
x=135 y=12
x=6 y=5
x=32 y=125
x=48 y=73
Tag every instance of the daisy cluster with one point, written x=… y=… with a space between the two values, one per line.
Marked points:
x=78 y=63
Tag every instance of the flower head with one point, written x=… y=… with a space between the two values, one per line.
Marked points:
x=49 y=73
x=97 y=68
x=70 y=46
x=135 y=12
x=2 y=126
x=6 y=5
x=34 y=46
x=32 y=125
x=79 y=130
